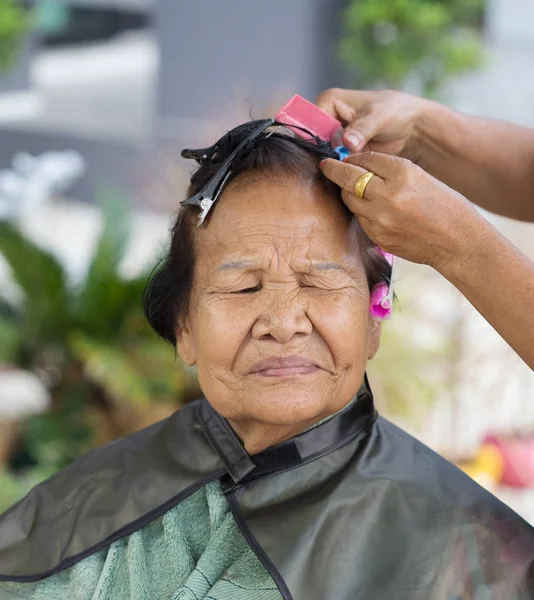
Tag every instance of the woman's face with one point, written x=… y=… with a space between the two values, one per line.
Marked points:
x=278 y=323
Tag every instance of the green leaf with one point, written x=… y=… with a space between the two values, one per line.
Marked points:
x=7 y=310
x=42 y=279
x=103 y=290
x=139 y=371
x=112 y=368
x=13 y=24
x=114 y=237
x=10 y=339
x=58 y=437
x=386 y=41
x=113 y=308
x=34 y=269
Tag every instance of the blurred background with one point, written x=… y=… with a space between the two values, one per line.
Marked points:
x=97 y=97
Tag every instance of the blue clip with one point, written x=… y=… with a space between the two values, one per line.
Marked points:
x=341 y=152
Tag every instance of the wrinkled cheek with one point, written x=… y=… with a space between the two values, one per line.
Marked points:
x=218 y=334
x=344 y=326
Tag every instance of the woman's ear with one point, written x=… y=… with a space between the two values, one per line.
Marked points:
x=184 y=344
x=375 y=328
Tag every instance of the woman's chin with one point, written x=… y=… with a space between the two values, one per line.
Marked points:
x=286 y=405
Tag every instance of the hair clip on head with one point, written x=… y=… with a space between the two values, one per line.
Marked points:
x=207 y=196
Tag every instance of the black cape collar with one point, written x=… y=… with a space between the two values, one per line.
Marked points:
x=242 y=468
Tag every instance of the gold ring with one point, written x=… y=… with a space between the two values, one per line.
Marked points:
x=362 y=182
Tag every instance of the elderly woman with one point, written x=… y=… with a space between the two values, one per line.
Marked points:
x=282 y=483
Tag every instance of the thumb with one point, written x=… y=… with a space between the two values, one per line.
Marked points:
x=360 y=132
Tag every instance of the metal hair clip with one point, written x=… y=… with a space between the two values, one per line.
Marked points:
x=201 y=155
x=208 y=195
x=274 y=130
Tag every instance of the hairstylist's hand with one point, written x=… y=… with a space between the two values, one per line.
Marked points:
x=381 y=121
x=405 y=210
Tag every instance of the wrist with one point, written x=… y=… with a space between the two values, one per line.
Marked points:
x=429 y=127
x=470 y=239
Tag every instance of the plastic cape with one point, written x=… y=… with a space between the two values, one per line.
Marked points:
x=352 y=509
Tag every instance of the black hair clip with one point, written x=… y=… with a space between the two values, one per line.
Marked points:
x=208 y=195
x=201 y=155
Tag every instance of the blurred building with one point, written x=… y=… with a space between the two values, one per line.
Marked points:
x=121 y=81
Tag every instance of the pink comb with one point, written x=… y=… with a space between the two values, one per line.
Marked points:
x=301 y=113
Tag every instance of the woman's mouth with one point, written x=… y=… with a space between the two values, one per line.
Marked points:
x=284 y=366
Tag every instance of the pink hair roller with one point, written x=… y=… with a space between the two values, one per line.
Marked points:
x=381 y=305
x=298 y=112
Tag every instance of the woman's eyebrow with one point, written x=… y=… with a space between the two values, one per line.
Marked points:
x=327 y=266
x=314 y=266
x=236 y=264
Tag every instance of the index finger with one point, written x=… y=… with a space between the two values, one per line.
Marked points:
x=329 y=99
x=344 y=174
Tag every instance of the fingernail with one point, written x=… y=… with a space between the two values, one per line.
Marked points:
x=354 y=139
x=322 y=163
x=346 y=159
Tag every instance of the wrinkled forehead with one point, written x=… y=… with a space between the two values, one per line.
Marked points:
x=295 y=220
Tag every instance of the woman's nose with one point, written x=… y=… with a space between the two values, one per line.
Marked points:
x=283 y=318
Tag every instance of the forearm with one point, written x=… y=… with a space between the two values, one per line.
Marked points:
x=490 y=162
x=498 y=280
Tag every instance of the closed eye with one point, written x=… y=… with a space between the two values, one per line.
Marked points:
x=331 y=281
x=249 y=290
x=310 y=283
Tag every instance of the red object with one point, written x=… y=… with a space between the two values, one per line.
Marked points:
x=518 y=459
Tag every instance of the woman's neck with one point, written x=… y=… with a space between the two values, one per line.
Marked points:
x=256 y=436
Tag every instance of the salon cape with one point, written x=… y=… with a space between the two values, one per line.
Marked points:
x=353 y=509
